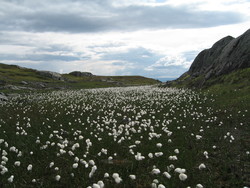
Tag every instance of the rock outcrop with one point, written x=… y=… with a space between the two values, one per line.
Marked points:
x=225 y=56
x=80 y=74
x=52 y=75
x=3 y=97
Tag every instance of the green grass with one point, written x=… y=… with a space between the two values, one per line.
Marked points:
x=175 y=114
x=13 y=75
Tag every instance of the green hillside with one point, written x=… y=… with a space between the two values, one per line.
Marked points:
x=29 y=79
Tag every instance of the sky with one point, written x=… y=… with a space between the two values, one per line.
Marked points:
x=152 y=38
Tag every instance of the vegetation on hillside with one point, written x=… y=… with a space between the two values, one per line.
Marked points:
x=29 y=79
x=124 y=137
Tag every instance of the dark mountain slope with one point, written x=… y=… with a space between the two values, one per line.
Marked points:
x=224 y=57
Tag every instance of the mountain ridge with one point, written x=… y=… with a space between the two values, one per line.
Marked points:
x=224 y=57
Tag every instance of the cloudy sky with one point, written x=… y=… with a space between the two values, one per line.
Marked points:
x=153 y=38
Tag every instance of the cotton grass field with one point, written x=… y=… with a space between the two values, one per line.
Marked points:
x=121 y=137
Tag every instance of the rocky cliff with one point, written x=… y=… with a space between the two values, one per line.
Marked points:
x=225 y=56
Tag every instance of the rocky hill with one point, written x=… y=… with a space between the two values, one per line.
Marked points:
x=14 y=78
x=226 y=56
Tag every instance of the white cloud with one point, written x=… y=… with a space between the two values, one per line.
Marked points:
x=69 y=49
x=176 y=60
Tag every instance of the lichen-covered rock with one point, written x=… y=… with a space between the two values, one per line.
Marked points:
x=80 y=74
x=52 y=75
x=3 y=97
x=207 y=59
x=226 y=55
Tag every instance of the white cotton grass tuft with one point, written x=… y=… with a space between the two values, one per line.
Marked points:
x=150 y=155
x=139 y=157
x=199 y=186
x=180 y=170
x=155 y=171
x=17 y=163
x=205 y=153
x=93 y=169
x=132 y=177
x=106 y=175
x=33 y=181
x=158 y=154
x=92 y=162
x=110 y=158
x=182 y=176
x=172 y=158
x=202 y=166
x=198 y=137
x=156 y=181
x=4 y=170
x=117 y=178
x=101 y=184
x=75 y=165
x=153 y=185
x=167 y=175
x=161 y=186
x=177 y=151
x=159 y=145
x=29 y=168
x=96 y=185
x=58 y=177
x=51 y=164
x=10 y=179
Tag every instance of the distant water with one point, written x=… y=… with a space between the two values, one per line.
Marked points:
x=165 y=79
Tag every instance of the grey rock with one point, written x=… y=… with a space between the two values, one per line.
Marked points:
x=42 y=85
x=13 y=87
x=80 y=74
x=3 y=97
x=24 y=82
x=52 y=75
x=208 y=58
x=226 y=55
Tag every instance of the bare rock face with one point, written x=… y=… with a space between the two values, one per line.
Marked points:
x=53 y=75
x=80 y=74
x=226 y=55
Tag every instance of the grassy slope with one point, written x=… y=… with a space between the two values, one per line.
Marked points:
x=232 y=96
x=231 y=93
x=13 y=75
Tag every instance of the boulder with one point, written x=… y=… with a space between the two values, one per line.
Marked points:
x=52 y=75
x=24 y=82
x=80 y=74
x=3 y=97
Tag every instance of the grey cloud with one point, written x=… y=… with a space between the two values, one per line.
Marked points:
x=37 y=57
x=140 y=57
x=100 y=15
